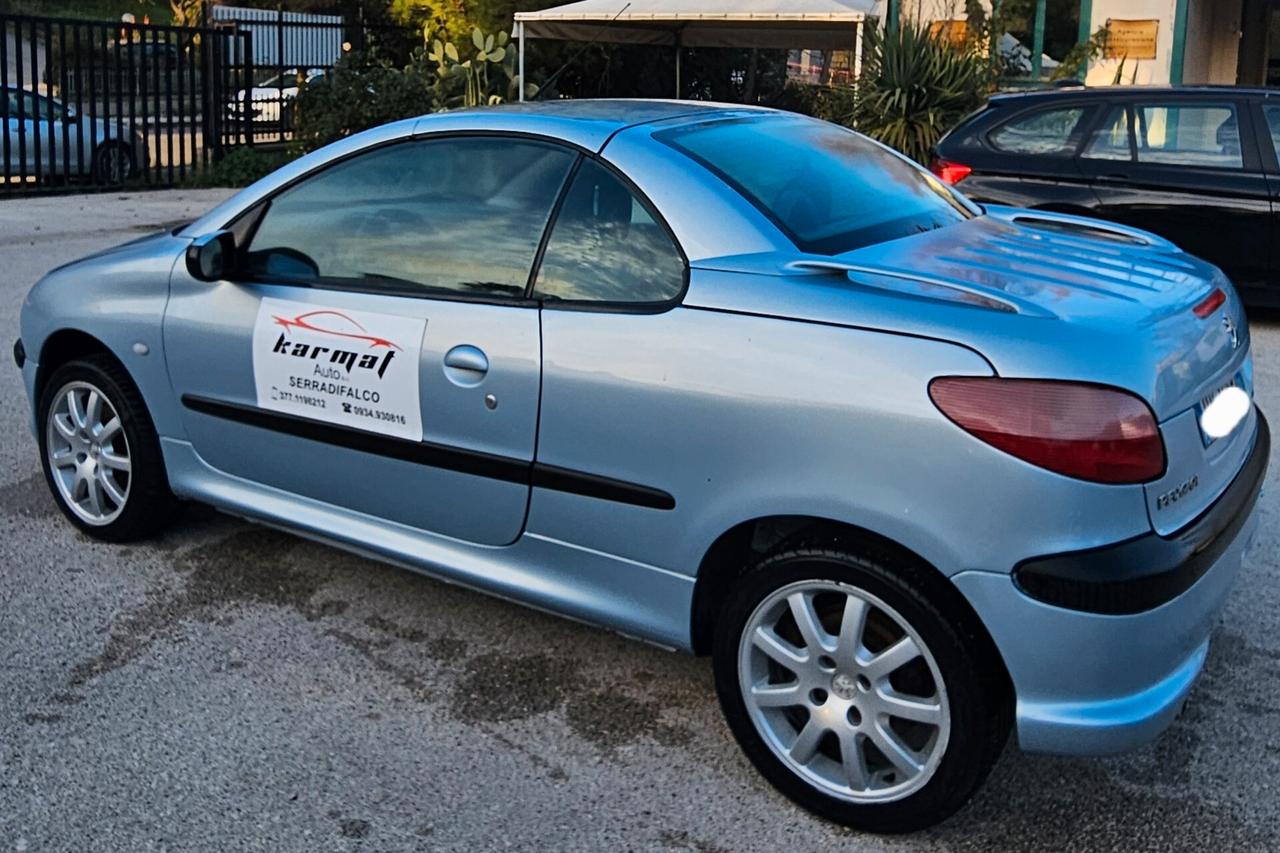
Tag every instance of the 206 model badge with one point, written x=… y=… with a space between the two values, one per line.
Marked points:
x=1174 y=495
x=352 y=368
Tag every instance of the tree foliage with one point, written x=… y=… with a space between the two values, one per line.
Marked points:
x=366 y=90
x=916 y=87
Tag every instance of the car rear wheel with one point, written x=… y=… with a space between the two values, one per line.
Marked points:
x=112 y=163
x=854 y=693
x=100 y=453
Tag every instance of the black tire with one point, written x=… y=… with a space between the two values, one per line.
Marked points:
x=101 y=170
x=149 y=505
x=976 y=687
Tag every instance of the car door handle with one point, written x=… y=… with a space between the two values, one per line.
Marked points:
x=466 y=365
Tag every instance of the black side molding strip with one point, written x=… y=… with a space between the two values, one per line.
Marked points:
x=594 y=486
x=1145 y=572
x=432 y=455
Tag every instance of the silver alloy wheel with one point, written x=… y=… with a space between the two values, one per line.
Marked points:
x=863 y=723
x=88 y=453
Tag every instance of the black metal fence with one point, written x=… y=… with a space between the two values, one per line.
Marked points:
x=288 y=50
x=108 y=104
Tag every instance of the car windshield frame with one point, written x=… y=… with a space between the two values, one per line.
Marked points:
x=841 y=242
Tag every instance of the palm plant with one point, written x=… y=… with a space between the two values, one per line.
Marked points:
x=915 y=87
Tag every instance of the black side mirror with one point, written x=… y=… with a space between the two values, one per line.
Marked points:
x=211 y=257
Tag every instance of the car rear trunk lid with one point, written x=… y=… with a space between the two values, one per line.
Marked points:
x=1121 y=306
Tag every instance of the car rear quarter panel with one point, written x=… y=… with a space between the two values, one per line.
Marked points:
x=742 y=417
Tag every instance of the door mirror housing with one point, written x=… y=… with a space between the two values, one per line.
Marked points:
x=211 y=257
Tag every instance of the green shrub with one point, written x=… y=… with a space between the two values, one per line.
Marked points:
x=915 y=88
x=239 y=167
x=364 y=91
x=361 y=92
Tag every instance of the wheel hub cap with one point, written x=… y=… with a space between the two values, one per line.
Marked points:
x=844 y=686
x=88 y=453
x=844 y=691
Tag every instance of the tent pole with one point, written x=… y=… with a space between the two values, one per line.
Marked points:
x=679 y=51
x=520 y=51
x=857 y=52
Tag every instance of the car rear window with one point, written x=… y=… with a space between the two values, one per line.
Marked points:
x=1047 y=131
x=829 y=189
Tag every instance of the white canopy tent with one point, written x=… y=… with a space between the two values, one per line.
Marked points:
x=817 y=24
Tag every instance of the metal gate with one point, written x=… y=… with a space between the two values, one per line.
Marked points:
x=107 y=104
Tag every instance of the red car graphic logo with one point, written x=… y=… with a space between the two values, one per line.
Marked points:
x=307 y=321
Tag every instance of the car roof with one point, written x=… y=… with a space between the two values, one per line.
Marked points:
x=1108 y=92
x=588 y=123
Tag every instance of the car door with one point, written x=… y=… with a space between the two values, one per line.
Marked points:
x=1266 y=111
x=38 y=130
x=610 y=275
x=13 y=160
x=21 y=131
x=1188 y=170
x=378 y=352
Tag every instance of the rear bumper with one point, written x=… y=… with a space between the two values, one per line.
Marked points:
x=1148 y=571
x=1106 y=667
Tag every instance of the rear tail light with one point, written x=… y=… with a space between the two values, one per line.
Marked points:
x=1211 y=303
x=1091 y=432
x=949 y=171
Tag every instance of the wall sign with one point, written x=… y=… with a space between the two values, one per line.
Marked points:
x=1131 y=39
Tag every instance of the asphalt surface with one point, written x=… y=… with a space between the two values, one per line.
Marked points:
x=229 y=687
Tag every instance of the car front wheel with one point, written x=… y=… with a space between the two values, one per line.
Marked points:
x=100 y=453
x=853 y=692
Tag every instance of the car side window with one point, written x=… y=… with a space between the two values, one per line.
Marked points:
x=462 y=215
x=1190 y=135
x=1048 y=131
x=33 y=107
x=41 y=108
x=607 y=246
x=1110 y=141
x=1272 y=115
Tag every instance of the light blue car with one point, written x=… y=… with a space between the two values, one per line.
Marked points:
x=729 y=380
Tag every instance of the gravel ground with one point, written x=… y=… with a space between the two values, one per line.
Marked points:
x=230 y=687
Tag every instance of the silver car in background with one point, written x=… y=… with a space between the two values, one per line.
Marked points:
x=43 y=136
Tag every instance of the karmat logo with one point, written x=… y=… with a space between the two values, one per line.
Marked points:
x=336 y=324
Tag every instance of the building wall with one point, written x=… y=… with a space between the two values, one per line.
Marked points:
x=1213 y=42
x=1103 y=71
x=1212 y=45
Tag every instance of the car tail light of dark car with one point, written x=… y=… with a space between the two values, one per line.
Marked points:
x=1091 y=432
x=949 y=171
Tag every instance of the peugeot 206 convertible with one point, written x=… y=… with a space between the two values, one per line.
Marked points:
x=913 y=472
